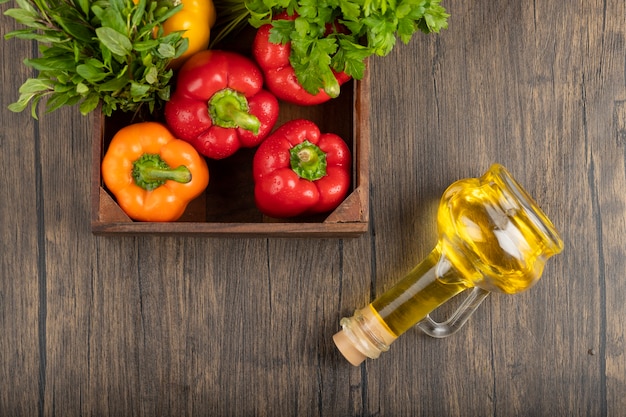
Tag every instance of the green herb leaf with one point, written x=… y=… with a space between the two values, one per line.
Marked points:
x=24 y=4
x=21 y=103
x=90 y=104
x=116 y=42
x=90 y=73
x=36 y=86
x=138 y=90
x=152 y=75
x=24 y=17
x=55 y=101
x=84 y=6
x=146 y=45
x=81 y=89
x=51 y=63
x=281 y=31
x=114 y=85
x=111 y=18
x=164 y=13
x=166 y=50
x=139 y=13
x=30 y=35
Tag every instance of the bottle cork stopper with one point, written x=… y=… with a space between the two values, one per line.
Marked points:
x=347 y=348
x=365 y=335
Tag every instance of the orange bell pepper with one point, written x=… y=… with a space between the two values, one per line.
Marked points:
x=196 y=18
x=152 y=174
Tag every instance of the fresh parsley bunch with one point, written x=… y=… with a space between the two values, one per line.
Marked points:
x=105 y=52
x=372 y=27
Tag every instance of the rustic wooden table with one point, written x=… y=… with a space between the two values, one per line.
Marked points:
x=174 y=326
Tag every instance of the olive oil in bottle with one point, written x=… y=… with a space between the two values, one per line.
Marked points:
x=493 y=236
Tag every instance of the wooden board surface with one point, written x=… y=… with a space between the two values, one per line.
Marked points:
x=186 y=326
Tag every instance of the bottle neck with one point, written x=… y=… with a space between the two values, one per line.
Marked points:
x=430 y=284
x=373 y=328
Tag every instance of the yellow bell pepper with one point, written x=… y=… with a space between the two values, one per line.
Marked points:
x=196 y=18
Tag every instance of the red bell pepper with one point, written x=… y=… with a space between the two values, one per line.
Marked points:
x=298 y=170
x=219 y=104
x=280 y=76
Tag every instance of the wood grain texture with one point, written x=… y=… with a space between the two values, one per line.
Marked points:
x=22 y=345
x=193 y=326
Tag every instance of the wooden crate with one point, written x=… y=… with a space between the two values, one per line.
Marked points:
x=227 y=206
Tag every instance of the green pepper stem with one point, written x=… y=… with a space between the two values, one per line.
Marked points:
x=308 y=161
x=150 y=171
x=229 y=109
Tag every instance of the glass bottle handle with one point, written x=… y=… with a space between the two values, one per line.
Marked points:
x=458 y=319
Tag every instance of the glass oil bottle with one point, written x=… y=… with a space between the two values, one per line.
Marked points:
x=493 y=237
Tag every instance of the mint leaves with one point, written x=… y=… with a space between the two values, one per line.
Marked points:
x=370 y=27
x=110 y=53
